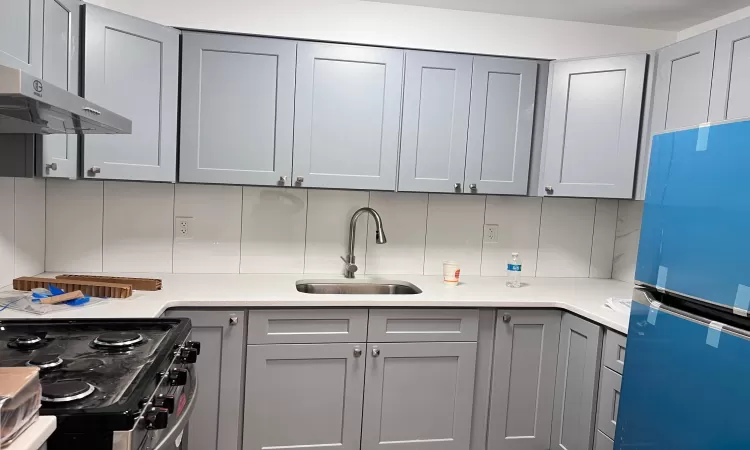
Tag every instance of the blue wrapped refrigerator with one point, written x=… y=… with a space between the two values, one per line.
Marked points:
x=687 y=364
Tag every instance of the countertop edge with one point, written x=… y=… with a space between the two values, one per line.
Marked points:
x=36 y=435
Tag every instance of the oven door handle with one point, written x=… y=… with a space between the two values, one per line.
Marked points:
x=167 y=442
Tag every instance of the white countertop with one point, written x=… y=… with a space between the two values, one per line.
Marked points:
x=33 y=437
x=582 y=296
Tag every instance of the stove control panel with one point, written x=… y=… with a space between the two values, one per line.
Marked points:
x=177 y=376
x=156 y=418
x=165 y=401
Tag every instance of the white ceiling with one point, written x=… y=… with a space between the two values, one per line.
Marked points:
x=671 y=15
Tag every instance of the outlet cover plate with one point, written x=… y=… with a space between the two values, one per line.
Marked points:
x=491 y=234
x=183 y=227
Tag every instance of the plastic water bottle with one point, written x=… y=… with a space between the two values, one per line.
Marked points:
x=514 y=271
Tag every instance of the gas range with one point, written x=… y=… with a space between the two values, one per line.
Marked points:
x=112 y=384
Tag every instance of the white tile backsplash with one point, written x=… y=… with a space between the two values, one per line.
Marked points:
x=455 y=225
x=603 y=243
x=565 y=237
x=273 y=230
x=74 y=226
x=138 y=227
x=405 y=223
x=216 y=228
x=328 y=214
x=7 y=230
x=29 y=226
x=627 y=235
x=518 y=223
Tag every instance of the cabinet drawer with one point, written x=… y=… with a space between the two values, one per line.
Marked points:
x=614 y=351
x=422 y=325
x=609 y=402
x=602 y=442
x=304 y=326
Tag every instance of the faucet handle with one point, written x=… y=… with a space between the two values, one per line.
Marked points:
x=349 y=267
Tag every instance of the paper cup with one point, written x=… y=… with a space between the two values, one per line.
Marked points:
x=451 y=273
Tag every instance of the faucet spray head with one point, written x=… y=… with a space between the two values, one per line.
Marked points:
x=380 y=236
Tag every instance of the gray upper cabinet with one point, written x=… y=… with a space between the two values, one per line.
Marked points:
x=683 y=83
x=437 y=93
x=237 y=109
x=131 y=67
x=215 y=422
x=730 y=89
x=523 y=380
x=576 y=384
x=501 y=122
x=21 y=35
x=419 y=396
x=593 y=125
x=59 y=152
x=303 y=396
x=347 y=114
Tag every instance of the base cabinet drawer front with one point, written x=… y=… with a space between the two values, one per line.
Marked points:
x=603 y=442
x=304 y=396
x=306 y=326
x=614 y=351
x=609 y=402
x=578 y=365
x=423 y=325
x=419 y=396
x=523 y=380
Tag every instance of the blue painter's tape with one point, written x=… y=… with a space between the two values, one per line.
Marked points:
x=661 y=278
x=742 y=300
x=702 y=142
x=653 y=310
x=714 y=334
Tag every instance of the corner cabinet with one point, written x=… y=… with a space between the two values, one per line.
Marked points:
x=215 y=423
x=593 y=125
x=21 y=35
x=131 y=68
x=347 y=115
x=237 y=109
x=730 y=89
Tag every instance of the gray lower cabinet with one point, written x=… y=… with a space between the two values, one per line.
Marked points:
x=730 y=88
x=609 y=402
x=347 y=116
x=237 y=109
x=523 y=379
x=21 y=35
x=419 y=396
x=602 y=442
x=215 y=422
x=683 y=83
x=437 y=93
x=576 y=384
x=593 y=124
x=304 y=396
x=501 y=119
x=131 y=67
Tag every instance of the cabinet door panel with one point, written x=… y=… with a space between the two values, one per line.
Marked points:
x=500 y=125
x=591 y=140
x=237 y=109
x=21 y=35
x=576 y=384
x=419 y=396
x=730 y=88
x=215 y=422
x=130 y=67
x=303 y=396
x=347 y=110
x=523 y=380
x=437 y=90
x=683 y=83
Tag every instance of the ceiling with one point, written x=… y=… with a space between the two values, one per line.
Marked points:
x=673 y=15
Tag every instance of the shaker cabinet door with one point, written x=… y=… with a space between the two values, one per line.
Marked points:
x=593 y=126
x=21 y=35
x=683 y=83
x=131 y=68
x=500 y=126
x=237 y=109
x=437 y=91
x=347 y=114
x=730 y=88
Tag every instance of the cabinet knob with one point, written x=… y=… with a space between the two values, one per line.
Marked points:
x=95 y=169
x=473 y=187
x=233 y=320
x=506 y=318
x=549 y=190
x=52 y=166
x=375 y=352
x=357 y=352
x=282 y=180
x=457 y=186
x=300 y=180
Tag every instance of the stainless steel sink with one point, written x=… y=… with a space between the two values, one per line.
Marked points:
x=357 y=288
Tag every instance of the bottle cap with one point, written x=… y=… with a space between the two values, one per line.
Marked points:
x=514 y=254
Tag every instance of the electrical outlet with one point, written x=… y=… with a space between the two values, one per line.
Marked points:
x=183 y=227
x=491 y=232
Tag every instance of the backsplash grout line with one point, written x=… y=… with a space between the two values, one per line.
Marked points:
x=539 y=234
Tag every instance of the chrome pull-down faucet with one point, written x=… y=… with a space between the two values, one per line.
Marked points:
x=350 y=266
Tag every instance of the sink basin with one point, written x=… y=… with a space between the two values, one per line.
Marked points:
x=357 y=288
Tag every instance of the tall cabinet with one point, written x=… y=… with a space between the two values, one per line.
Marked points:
x=730 y=89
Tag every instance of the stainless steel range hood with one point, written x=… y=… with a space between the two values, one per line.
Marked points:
x=30 y=105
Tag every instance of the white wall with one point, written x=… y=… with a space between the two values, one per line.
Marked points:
x=715 y=23
x=366 y=22
x=22 y=223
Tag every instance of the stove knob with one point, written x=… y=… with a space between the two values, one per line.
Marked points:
x=165 y=401
x=187 y=355
x=194 y=345
x=177 y=377
x=156 y=418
